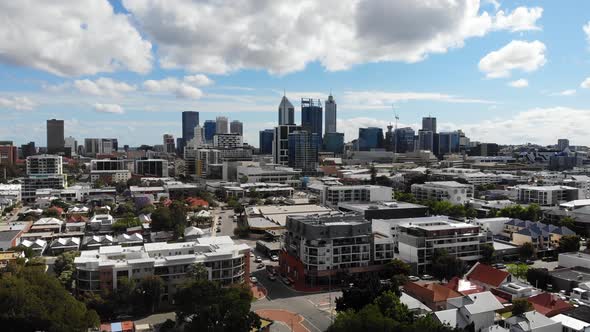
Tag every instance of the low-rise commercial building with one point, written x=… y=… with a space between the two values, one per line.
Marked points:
x=385 y=210
x=545 y=195
x=334 y=195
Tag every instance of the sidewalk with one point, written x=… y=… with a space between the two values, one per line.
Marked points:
x=258 y=291
x=291 y=319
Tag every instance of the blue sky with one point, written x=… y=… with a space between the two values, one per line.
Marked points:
x=505 y=71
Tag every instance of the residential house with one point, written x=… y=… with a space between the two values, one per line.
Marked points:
x=64 y=244
x=433 y=295
x=487 y=276
x=532 y=321
x=478 y=309
x=38 y=246
x=97 y=241
x=126 y=240
x=549 y=304
x=101 y=222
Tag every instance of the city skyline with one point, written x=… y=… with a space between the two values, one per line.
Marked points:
x=464 y=78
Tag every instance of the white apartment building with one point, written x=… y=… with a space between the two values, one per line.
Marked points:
x=227 y=141
x=11 y=192
x=43 y=172
x=71 y=143
x=112 y=171
x=226 y=262
x=545 y=195
x=418 y=239
x=332 y=195
x=451 y=191
x=254 y=172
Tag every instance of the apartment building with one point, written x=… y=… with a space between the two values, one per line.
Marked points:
x=332 y=195
x=319 y=249
x=418 y=240
x=100 y=270
x=545 y=195
x=451 y=191
x=254 y=173
x=227 y=141
x=152 y=167
x=43 y=172
x=110 y=171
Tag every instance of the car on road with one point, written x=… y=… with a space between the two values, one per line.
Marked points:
x=252 y=254
x=499 y=266
x=529 y=262
x=253 y=280
x=258 y=259
x=272 y=277
x=286 y=281
x=274 y=258
x=426 y=277
x=413 y=278
x=260 y=266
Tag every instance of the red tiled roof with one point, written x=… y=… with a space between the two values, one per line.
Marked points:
x=548 y=304
x=77 y=218
x=463 y=286
x=196 y=201
x=431 y=292
x=487 y=275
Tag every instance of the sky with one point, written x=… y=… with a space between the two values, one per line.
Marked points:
x=509 y=72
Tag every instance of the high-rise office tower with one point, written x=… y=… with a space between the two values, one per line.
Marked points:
x=236 y=127
x=311 y=116
x=168 y=142
x=8 y=153
x=28 y=150
x=404 y=139
x=190 y=119
x=209 y=128
x=425 y=140
x=286 y=112
x=334 y=142
x=563 y=143
x=221 y=125
x=303 y=150
x=70 y=146
x=265 y=144
x=370 y=138
x=280 y=143
x=448 y=142
x=330 y=115
x=55 y=136
x=429 y=124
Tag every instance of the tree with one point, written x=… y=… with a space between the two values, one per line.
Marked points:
x=520 y=306
x=373 y=172
x=405 y=197
x=120 y=187
x=538 y=277
x=568 y=222
x=64 y=268
x=60 y=203
x=526 y=251
x=207 y=306
x=518 y=270
x=177 y=218
x=445 y=266
x=243 y=179
x=198 y=271
x=133 y=182
x=149 y=291
x=122 y=224
x=487 y=253
x=569 y=243
x=34 y=301
x=161 y=219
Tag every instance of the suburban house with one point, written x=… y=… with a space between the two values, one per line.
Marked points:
x=487 y=276
x=434 y=296
x=549 y=304
x=478 y=309
x=532 y=321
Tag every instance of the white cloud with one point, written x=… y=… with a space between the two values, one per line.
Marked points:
x=198 y=80
x=586 y=29
x=386 y=99
x=520 y=83
x=103 y=87
x=521 y=19
x=108 y=108
x=283 y=36
x=516 y=55
x=187 y=88
x=568 y=92
x=71 y=38
x=586 y=83
x=17 y=103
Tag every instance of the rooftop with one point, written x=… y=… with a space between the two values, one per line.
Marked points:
x=487 y=275
x=380 y=206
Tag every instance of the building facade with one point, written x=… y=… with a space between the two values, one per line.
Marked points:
x=221 y=125
x=227 y=141
x=303 y=150
x=450 y=191
x=331 y=114
x=168 y=142
x=280 y=144
x=312 y=116
x=286 y=112
x=209 y=128
x=152 y=167
x=333 y=195
x=55 y=136
x=265 y=141
x=545 y=195
x=334 y=142
x=43 y=172
x=370 y=138
x=236 y=127
x=190 y=119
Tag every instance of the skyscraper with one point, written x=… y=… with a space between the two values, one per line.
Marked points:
x=286 y=112
x=70 y=146
x=55 y=136
x=425 y=140
x=209 y=128
x=334 y=142
x=221 y=125
x=303 y=150
x=563 y=143
x=330 y=115
x=168 y=141
x=370 y=138
x=190 y=119
x=265 y=144
x=448 y=142
x=236 y=127
x=280 y=143
x=429 y=124
x=311 y=116
x=404 y=139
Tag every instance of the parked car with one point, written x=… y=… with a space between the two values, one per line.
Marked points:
x=413 y=278
x=272 y=277
x=529 y=262
x=499 y=266
x=286 y=281
x=253 y=280
x=274 y=258
x=258 y=259
x=426 y=277
x=260 y=266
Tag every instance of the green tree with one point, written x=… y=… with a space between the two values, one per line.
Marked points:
x=568 y=222
x=445 y=266
x=134 y=182
x=243 y=179
x=405 y=197
x=520 y=306
x=149 y=290
x=487 y=253
x=34 y=301
x=161 y=219
x=526 y=251
x=569 y=243
x=373 y=172
x=198 y=271
x=207 y=306
x=178 y=218
x=122 y=224
x=65 y=269
x=518 y=270
x=60 y=203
